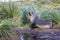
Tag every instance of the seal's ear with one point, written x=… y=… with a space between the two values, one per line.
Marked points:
x=30 y=13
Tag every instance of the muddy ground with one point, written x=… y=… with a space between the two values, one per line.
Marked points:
x=46 y=34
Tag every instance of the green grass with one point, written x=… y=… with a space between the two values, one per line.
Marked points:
x=52 y=15
x=16 y=15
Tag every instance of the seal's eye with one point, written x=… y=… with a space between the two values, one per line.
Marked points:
x=29 y=13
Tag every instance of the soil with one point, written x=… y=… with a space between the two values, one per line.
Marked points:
x=46 y=34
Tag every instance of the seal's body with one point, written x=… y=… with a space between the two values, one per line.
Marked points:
x=36 y=22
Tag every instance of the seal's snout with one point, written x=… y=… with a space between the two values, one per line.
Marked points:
x=30 y=13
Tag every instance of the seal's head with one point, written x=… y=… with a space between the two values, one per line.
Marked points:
x=31 y=16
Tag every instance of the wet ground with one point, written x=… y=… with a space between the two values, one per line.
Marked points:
x=26 y=34
x=48 y=34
